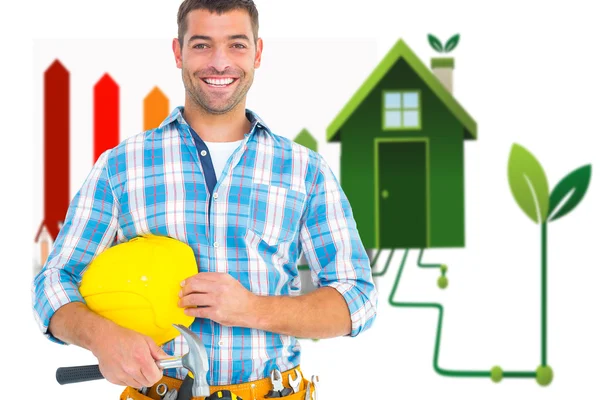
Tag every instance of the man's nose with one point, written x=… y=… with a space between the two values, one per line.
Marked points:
x=220 y=60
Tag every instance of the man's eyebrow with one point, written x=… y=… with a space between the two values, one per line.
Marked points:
x=234 y=37
x=200 y=37
x=208 y=38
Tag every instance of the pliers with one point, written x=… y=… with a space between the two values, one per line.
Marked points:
x=278 y=389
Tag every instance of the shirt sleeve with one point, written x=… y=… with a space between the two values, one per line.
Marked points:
x=90 y=227
x=334 y=251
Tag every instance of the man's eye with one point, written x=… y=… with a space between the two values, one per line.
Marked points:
x=239 y=46
x=200 y=46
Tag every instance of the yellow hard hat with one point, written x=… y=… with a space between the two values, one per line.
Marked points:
x=136 y=284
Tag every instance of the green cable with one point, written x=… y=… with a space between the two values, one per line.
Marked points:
x=376 y=257
x=421 y=265
x=387 y=263
x=499 y=374
x=443 y=267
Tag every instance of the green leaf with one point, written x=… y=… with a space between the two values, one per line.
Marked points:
x=452 y=43
x=435 y=43
x=528 y=183
x=577 y=183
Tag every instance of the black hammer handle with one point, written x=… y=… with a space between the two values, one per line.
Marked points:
x=83 y=373
x=86 y=373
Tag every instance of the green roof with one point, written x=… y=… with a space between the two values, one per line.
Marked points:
x=401 y=50
x=306 y=139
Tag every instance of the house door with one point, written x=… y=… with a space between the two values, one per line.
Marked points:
x=402 y=194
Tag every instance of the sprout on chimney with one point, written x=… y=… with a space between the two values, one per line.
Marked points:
x=447 y=48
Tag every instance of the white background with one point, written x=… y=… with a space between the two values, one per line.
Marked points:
x=526 y=72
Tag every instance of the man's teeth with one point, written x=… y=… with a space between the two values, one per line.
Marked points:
x=219 y=82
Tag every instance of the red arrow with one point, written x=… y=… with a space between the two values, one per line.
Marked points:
x=106 y=115
x=56 y=145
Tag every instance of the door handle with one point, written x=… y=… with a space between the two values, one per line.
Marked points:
x=385 y=194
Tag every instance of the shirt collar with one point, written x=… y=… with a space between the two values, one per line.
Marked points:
x=177 y=116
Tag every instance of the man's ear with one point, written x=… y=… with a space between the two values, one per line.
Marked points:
x=259 y=49
x=177 y=52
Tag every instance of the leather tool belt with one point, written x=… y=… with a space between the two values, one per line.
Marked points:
x=255 y=390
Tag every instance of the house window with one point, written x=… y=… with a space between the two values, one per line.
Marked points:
x=402 y=110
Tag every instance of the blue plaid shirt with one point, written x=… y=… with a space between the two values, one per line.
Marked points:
x=274 y=201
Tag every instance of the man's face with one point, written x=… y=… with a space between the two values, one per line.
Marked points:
x=217 y=58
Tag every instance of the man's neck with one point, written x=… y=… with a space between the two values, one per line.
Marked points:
x=217 y=127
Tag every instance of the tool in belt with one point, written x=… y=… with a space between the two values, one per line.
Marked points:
x=196 y=362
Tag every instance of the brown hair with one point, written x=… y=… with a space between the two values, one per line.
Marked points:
x=215 y=6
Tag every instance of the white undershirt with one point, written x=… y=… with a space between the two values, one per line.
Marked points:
x=220 y=153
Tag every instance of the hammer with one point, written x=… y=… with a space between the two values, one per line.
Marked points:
x=195 y=361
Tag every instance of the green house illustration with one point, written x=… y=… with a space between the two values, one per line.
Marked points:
x=402 y=154
x=307 y=140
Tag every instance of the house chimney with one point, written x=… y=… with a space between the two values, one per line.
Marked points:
x=443 y=68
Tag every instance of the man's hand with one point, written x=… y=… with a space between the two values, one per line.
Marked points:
x=128 y=358
x=218 y=297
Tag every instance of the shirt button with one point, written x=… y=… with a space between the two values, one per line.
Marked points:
x=221 y=343
x=203 y=152
x=216 y=196
x=216 y=245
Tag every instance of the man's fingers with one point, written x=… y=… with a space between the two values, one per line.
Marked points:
x=211 y=276
x=203 y=282
x=195 y=300
x=156 y=351
x=134 y=383
x=204 y=276
x=202 y=312
x=121 y=378
x=149 y=368
x=197 y=286
x=139 y=375
x=151 y=373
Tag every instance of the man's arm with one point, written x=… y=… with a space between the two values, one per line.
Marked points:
x=321 y=314
x=345 y=302
x=89 y=228
x=74 y=323
x=125 y=357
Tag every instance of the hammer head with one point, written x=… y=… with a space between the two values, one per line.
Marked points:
x=195 y=361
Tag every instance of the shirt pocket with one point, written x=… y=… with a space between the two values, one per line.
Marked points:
x=275 y=213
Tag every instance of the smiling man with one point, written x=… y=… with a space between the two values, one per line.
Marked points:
x=247 y=201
